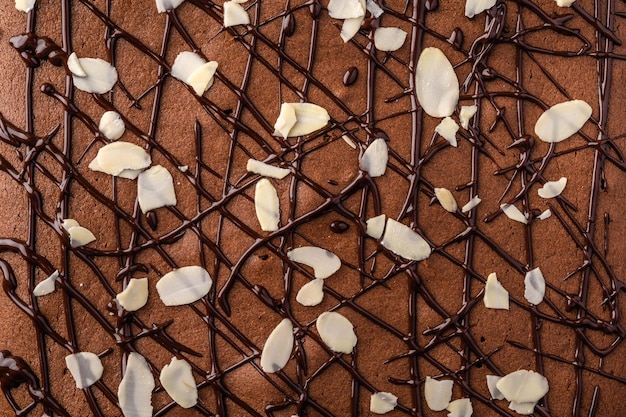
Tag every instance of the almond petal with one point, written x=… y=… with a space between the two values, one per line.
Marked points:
x=437 y=85
x=524 y=409
x=473 y=7
x=85 y=367
x=111 y=125
x=460 y=408
x=116 y=157
x=155 y=189
x=345 y=9
x=545 y=215
x=267 y=205
x=471 y=204
x=202 y=78
x=523 y=386
x=164 y=5
x=177 y=380
x=374 y=9
x=552 y=189
x=323 y=262
x=562 y=120
x=466 y=114
x=73 y=64
x=100 y=76
x=311 y=293
x=46 y=286
x=534 y=288
x=496 y=296
x=135 y=295
x=135 y=390
x=495 y=393
x=438 y=393
x=350 y=28
x=513 y=213
x=376 y=226
x=309 y=118
x=278 y=347
x=266 y=170
x=565 y=3
x=389 y=38
x=286 y=120
x=447 y=129
x=383 y=402
x=69 y=223
x=80 y=236
x=405 y=242
x=336 y=331
x=185 y=64
x=184 y=285
x=235 y=14
x=375 y=157
x=25 y=5
x=446 y=199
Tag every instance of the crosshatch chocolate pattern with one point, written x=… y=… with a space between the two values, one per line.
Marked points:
x=412 y=319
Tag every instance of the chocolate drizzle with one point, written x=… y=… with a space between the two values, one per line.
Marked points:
x=498 y=136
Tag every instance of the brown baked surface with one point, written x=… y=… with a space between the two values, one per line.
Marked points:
x=428 y=316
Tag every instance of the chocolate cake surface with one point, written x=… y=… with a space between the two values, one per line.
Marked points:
x=413 y=319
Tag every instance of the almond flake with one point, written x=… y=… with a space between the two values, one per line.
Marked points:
x=474 y=7
x=73 y=64
x=466 y=114
x=164 y=5
x=375 y=157
x=186 y=64
x=375 y=10
x=323 y=262
x=235 y=14
x=80 y=236
x=184 y=285
x=336 y=332
x=267 y=205
x=46 y=286
x=389 y=39
x=135 y=295
x=286 y=120
x=405 y=242
x=495 y=393
x=111 y=125
x=349 y=141
x=523 y=386
x=383 y=402
x=202 y=78
x=565 y=3
x=513 y=213
x=68 y=223
x=311 y=293
x=346 y=9
x=155 y=189
x=496 y=296
x=266 y=170
x=278 y=347
x=446 y=199
x=447 y=129
x=534 y=288
x=85 y=367
x=471 y=204
x=525 y=409
x=100 y=76
x=376 y=226
x=25 y=5
x=177 y=380
x=116 y=157
x=309 y=118
x=437 y=85
x=438 y=393
x=135 y=390
x=552 y=189
x=545 y=215
x=460 y=408
x=562 y=120
x=350 y=28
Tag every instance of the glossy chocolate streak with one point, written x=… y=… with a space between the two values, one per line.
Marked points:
x=500 y=148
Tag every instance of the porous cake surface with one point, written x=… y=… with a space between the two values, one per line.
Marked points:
x=413 y=319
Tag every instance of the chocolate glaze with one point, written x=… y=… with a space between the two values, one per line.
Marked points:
x=34 y=49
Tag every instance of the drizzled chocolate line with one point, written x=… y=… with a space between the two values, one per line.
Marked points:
x=518 y=182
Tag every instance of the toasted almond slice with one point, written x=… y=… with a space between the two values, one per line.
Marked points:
x=155 y=189
x=534 y=288
x=309 y=118
x=311 y=293
x=135 y=295
x=523 y=386
x=80 y=236
x=405 y=242
x=552 y=189
x=336 y=331
x=266 y=170
x=46 y=286
x=389 y=39
x=267 y=205
x=278 y=347
x=346 y=9
x=25 y=5
x=466 y=114
x=135 y=390
x=496 y=296
x=184 y=285
x=164 y=5
x=460 y=408
x=545 y=215
x=202 y=78
x=437 y=85
x=73 y=64
x=446 y=199
x=235 y=14
x=471 y=204
x=375 y=157
x=185 y=64
x=85 y=367
x=350 y=28
x=447 y=129
x=383 y=402
x=116 y=157
x=376 y=226
x=375 y=10
x=100 y=76
x=495 y=393
x=474 y=7
x=177 y=380
x=438 y=393
x=111 y=125
x=524 y=409
x=562 y=120
x=286 y=120
x=514 y=213
x=323 y=262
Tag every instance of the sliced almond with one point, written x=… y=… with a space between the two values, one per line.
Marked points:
x=350 y=28
x=323 y=262
x=202 y=78
x=25 y=5
x=309 y=118
x=523 y=386
x=80 y=236
x=534 y=288
x=73 y=64
x=349 y=141
x=495 y=393
x=466 y=114
x=235 y=14
x=69 y=223
x=438 y=393
x=46 y=286
x=164 y=5
x=286 y=120
x=100 y=76
x=266 y=170
x=405 y=242
x=375 y=157
x=336 y=331
x=513 y=213
x=177 y=380
x=524 y=409
x=446 y=199
x=496 y=296
x=135 y=295
x=155 y=189
x=437 y=85
x=116 y=157
x=311 y=293
x=447 y=129
x=111 y=125
x=474 y=7
x=267 y=205
x=345 y=9
x=565 y=3
x=376 y=226
x=184 y=285
x=383 y=402
x=85 y=367
x=552 y=189
x=545 y=215
x=389 y=39
x=471 y=204
x=278 y=347
x=562 y=120
x=186 y=64
x=460 y=408
x=375 y=10
x=135 y=390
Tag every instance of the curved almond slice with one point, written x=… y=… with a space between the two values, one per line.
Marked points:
x=336 y=331
x=266 y=170
x=25 y=5
x=235 y=14
x=111 y=125
x=545 y=215
x=495 y=393
x=46 y=286
x=513 y=213
x=375 y=157
x=116 y=157
x=155 y=189
x=177 y=380
x=562 y=120
x=389 y=39
x=323 y=262
x=278 y=347
x=565 y=3
x=311 y=293
x=405 y=242
x=130 y=174
x=460 y=408
x=375 y=10
x=135 y=295
x=350 y=28
x=437 y=86
x=73 y=64
x=100 y=76
x=267 y=205
x=346 y=9
x=135 y=390
x=85 y=367
x=524 y=409
x=474 y=7
x=466 y=114
x=534 y=288
x=471 y=204
x=80 y=236
x=496 y=296
x=376 y=226
x=202 y=78
x=523 y=386
x=184 y=285
x=185 y=64
x=69 y=223
x=383 y=402
x=309 y=118
x=438 y=393
x=447 y=129
x=446 y=199
x=286 y=120
x=164 y=5
x=552 y=189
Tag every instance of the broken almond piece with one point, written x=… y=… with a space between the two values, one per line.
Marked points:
x=496 y=296
x=135 y=295
x=177 y=380
x=85 y=367
x=447 y=129
x=135 y=390
x=534 y=287
x=383 y=402
x=375 y=158
x=235 y=14
x=155 y=189
x=438 y=393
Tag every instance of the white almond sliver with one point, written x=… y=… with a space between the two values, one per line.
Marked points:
x=85 y=367
x=278 y=347
x=69 y=223
x=155 y=189
x=552 y=189
x=562 y=120
x=185 y=64
x=389 y=39
x=460 y=408
x=375 y=157
x=438 y=393
x=473 y=7
x=25 y=5
x=266 y=170
x=177 y=380
x=513 y=213
x=492 y=381
x=376 y=226
x=466 y=114
x=545 y=215
x=235 y=14
x=565 y=3
x=496 y=296
x=350 y=28
x=534 y=288
x=524 y=409
x=73 y=64
x=202 y=78
x=135 y=295
x=101 y=76
x=383 y=402
x=446 y=199
x=523 y=386
x=135 y=390
x=111 y=125
x=164 y=5
x=471 y=204
x=447 y=129
x=323 y=262
x=80 y=236
x=116 y=157
x=267 y=205
x=46 y=286
x=336 y=331
x=345 y=9
x=130 y=174
x=437 y=85
x=375 y=10
x=311 y=293
x=286 y=120
x=184 y=285
x=349 y=141
x=309 y=118
x=405 y=242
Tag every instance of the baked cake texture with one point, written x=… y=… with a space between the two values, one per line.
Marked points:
x=415 y=321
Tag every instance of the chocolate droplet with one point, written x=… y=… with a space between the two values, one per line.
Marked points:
x=339 y=227
x=350 y=76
